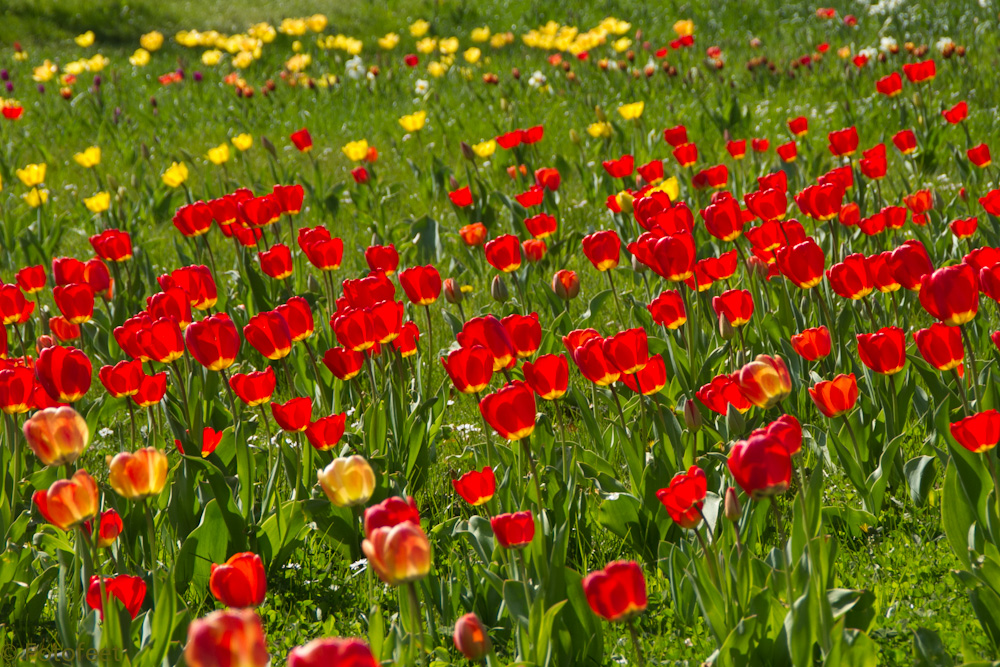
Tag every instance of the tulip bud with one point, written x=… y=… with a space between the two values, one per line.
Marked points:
x=453 y=182
x=726 y=329
x=566 y=284
x=43 y=342
x=516 y=73
x=692 y=416
x=757 y=266
x=732 y=505
x=471 y=639
x=266 y=143
x=452 y=292
x=574 y=136
x=498 y=290
x=625 y=200
x=735 y=423
x=599 y=112
x=638 y=266
x=467 y=152
x=312 y=282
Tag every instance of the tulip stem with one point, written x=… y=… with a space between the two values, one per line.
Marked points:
x=854 y=440
x=974 y=380
x=784 y=555
x=229 y=391
x=709 y=553
x=639 y=658
x=562 y=435
x=614 y=292
x=961 y=391
x=490 y=450
x=993 y=473
x=273 y=481
x=180 y=385
x=618 y=404
x=411 y=589
x=430 y=346
x=151 y=534
x=131 y=417
x=526 y=443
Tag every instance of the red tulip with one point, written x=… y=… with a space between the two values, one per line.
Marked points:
x=64 y=373
x=978 y=433
x=837 y=396
x=488 y=332
x=737 y=149
x=504 y=253
x=122 y=379
x=269 y=334
x=470 y=368
x=724 y=219
x=821 y=202
x=686 y=155
x=843 y=142
x=510 y=410
x=963 y=228
x=668 y=309
x=513 y=531
x=151 y=390
x=130 y=591
x=406 y=342
x=802 y=263
x=722 y=392
x=618 y=592
x=603 y=249
x=905 y=141
x=197 y=283
x=852 y=278
x=382 y=258
x=214 y=342
x=979 y=156
x=675 y=136
x=240 y=581
x=276 y=262
x=595 y=365
x=812 y=344
x=649 y=379
x=210 y=439
x=302 y=140
x=685 y=497
x=735 y=305
x=884 y=351
x=354 y=328
x=951 y=294
x=541 y=226
x=890 y=85
x=957 y=113
x=343 y=362
x=293 y=415
x=548 y=376
x=390 y=513
x=16 y=387
x=525 y=333
x=770 y=204
x=254 y=388
x=226 y=638
x=14 y=308
x=161 y=341
x=331 y=651
x=941 y=346
x=193 y=219
x=909 y=263
x=619 y=168
x=326 y=432
x=112 y=245
x=422 y=284
x=476 y=487
x=461 y=197
x=474 y=234
x=172 y=303
x=627 y=351
x=920 y=72
x=761 y=466
x=298 y=316
x=31 y=279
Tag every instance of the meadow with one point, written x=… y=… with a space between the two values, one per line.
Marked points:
x=429 y=332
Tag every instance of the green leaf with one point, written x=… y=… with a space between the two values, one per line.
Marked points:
x=920 y=475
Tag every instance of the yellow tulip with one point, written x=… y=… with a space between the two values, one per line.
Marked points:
x=413 y=122
x=436 y=69
x=419 y=28
x=242 y=60
x=480 y=35
x=427 y=45
x=317 y=22
x=89 y=157
x=175 y=175
x=356 y=151
x=85 y=40
x=219 y=154
x=243 y=141
x=140 y=58
x=448 y=45
x=670 y=187
x=35 y=197
x=622 y=44
x=632 y=111
x=151 y=41
x=32 y=174
x=44 y=72
x=99 y=203
x=472 y=55
x=388 y=42
x=210 y=58
x=485 y=149
x=599 y=129
x=347 y=481
x=140 y=475
x=684 y=28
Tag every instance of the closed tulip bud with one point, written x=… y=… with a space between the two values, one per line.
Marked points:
x=574 y=136
x=638 y=266
x=498 y=289
x=599 y=112
x=452 y=183
x=313 y=283
x=732 y=505
x=57 y=436
x=347 y=481
x=268 y=146
x=726 y=330
x=566 y=284
x=452 y=292
x=692 y=416
x=516 y=73
x=467 y=152
x=735 y=423
x=470 y=637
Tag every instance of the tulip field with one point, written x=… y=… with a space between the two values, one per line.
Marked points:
x=432 y=332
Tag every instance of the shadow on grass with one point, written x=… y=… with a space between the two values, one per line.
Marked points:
x=46 y=21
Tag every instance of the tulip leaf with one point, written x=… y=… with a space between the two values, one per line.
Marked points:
x=920 y=478
x=206 y=544
x=595 y=305
x=516 y=598
x=928 y=651
x=957 y=516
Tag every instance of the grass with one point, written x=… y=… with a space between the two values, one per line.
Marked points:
x=903 y=560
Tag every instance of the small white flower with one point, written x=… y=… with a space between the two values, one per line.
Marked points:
x=349 y=411
x=945 y=43
x=869 y=53
x=537 y=80
x=421 y=87
x=105 y=432
x=887 y=44
x=359 y=565
x=355 y=68
x=450 y=402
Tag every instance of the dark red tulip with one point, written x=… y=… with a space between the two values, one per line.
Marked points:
x=768 y=205
x=685 y=497
x=675 y=136
x=390 y=513
x=920 y=72
x=979 y=156
x=890 y=85
x=686 y=154
x=14 y=308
